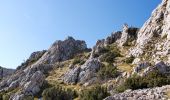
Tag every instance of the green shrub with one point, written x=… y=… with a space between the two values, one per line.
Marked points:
x=95 y=93
x=165 y=36
x=135 y=83
x=157 y=79
x=44 y=86
x=104 y=50
x=82 y=62
x=58 y=93
x=129 y=59
x=109 y=52
x=76 y=61
x=110 y=57
x=28 y=98
x=1 y=96
x=153 y=79
x=120 y=88
x=108 y=71
x=5 y=97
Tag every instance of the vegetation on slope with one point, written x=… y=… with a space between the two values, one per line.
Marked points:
x=108 y=71
x=153 y=79
x=95 y=93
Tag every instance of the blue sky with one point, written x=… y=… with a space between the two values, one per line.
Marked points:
x=32 y=25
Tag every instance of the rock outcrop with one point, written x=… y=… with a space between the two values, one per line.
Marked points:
x=156 y=32
x=35 y=56
x=63 y=50
x=129 y=35
x=158 y=93
x=140 y=51
x=84 y=73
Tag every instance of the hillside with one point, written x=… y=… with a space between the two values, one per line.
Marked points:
x=131 y=64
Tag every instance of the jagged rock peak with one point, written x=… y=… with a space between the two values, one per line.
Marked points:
x=63 y=50
x=127 y=36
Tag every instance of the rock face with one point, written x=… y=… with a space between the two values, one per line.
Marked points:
x=63 y=50
x=84 y=73
x=158 y=93
x=148 y=48
x=113 y=38
x=5 y=72
x=155 y=30
x=35 y=82
x=147 y=67
x=35 y=56
x=72 y=76
x=128 y=35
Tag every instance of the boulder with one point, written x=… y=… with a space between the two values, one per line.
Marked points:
x=84 y=73
x=89 y=69
x=71 y=76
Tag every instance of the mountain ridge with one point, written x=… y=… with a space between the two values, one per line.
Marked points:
x=127 y=60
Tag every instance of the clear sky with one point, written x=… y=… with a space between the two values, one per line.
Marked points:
x=32 y=25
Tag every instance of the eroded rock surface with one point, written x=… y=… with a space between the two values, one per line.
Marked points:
x=84 y=73
x=63 y=50
x=158 y=93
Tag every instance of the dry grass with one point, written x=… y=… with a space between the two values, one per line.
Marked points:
x=168 y=94
x=125 y=67
x=55 y=77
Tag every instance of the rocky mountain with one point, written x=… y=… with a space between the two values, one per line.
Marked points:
x=131 y=64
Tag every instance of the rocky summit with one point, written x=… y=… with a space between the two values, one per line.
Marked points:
x=131 y=64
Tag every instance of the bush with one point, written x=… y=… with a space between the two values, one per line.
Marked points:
x=153 y=79
x=157 y=79
x=110 y=57
x=95 y=93
x=110 y=53
x=120 y=88
x=78 y=61
x=135 y=83
x=82 y=62
x=103 y=50
x=5 y=97
x=108 y=71
x=44 y=86
x=28 y=98
x=129 y=60
x=58 y=93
